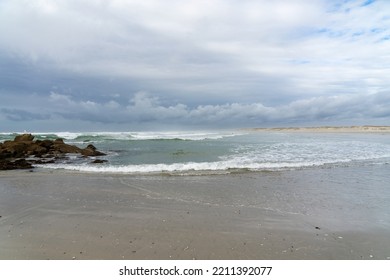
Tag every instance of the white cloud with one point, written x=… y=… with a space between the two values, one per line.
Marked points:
x=145 y=108
x=233 y=61
x=62 y=99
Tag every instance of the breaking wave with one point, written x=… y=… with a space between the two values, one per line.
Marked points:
x=219 y=152
x=226 y=166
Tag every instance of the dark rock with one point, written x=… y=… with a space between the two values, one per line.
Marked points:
x=13 y=153
x=65 y=148
x=36 y=149
x=24 y=138
x=14 y=149
x=99 y=161
x=45 y=143
x=40 y=161
x=90 y=152
x=22 y=164
x=17 y=164
x=59 y=141
x=5 y=155
x=92 y=147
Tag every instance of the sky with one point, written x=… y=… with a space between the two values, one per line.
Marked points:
x=110 y=65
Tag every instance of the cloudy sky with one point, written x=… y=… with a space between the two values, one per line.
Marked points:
x=151 y=64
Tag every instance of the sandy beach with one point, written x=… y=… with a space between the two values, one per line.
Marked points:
x=319 y=213
x=329 y=129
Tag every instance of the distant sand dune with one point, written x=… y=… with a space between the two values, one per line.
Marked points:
x=342 y=129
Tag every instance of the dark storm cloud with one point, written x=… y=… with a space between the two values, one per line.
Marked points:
x=210 y=63
x=22 y=115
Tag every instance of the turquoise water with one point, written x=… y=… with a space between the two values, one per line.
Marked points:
x=220 y=152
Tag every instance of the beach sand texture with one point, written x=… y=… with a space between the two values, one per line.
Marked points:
x=319 y=213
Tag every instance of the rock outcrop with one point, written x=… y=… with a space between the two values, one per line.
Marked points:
x=16 y=164
x=16 y=154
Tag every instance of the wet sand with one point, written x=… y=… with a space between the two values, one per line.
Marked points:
x=319 y=213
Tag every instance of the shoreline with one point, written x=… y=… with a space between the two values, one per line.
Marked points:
x=324 y=129
x=344 y=129
x=329 y=213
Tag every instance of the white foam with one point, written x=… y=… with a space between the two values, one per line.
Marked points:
x=198 y=135
x=271 y=153
x=182 y=135
x=64 y=135
x=184 y=167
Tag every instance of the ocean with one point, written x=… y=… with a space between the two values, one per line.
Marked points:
x=219 y=152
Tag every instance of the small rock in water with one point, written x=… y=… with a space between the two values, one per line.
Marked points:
x=99 y=161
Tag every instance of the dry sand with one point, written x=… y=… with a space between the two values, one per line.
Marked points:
x=330 y=129
x=339 y=213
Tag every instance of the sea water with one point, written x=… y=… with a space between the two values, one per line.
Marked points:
x=208 y=152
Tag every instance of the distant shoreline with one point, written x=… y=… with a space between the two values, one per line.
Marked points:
x=340 y=129
x=331 y=129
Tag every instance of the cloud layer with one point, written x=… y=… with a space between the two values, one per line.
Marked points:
x=203 y=63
